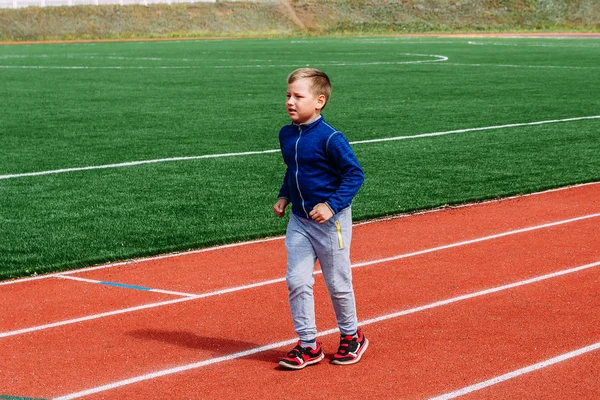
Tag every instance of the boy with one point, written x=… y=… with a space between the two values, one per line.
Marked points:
x=321 y=179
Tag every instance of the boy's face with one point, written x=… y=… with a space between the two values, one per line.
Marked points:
x=302 y=105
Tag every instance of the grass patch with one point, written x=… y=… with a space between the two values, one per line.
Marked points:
x=77 y=105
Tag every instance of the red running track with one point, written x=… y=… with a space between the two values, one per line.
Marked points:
x=434 y=296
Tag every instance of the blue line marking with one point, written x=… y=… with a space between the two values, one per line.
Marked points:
x=123 y=285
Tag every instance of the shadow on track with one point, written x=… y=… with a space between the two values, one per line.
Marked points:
x=217 y=347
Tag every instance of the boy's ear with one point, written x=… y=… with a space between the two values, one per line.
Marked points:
x=320 y=101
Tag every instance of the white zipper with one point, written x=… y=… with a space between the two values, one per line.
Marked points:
x=297 y=168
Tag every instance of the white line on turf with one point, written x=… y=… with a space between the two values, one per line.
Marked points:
x=522 y=66
x=436 y=58
x=554 y=44
x=249 y=153
x=518 y=372
x=487 y=128
x=272 y=346
x=279 y=280
x=134 y=163
x=185 y=253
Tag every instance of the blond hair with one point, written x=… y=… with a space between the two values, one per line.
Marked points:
x=319 y=81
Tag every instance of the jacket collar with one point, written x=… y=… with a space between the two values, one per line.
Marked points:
x=306 y=127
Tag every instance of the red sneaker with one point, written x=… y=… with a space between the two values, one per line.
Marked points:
x=351 y=349
x=299 y=357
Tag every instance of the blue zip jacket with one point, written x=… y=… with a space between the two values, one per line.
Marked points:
x=321 y=167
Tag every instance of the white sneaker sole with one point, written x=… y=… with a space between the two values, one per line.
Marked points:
x=358 y=356
x=311 y=362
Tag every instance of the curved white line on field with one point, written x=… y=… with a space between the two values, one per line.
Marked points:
x=432 y=58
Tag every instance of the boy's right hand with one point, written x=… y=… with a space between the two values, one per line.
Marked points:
x=279 y=207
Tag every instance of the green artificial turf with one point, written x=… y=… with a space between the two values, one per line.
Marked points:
x=78 y=105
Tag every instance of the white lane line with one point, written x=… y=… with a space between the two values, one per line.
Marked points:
x=484 y=292
x=249 y=153
x=278 y=280
x=272 y=346
x=518 y=372
x=117 y=284
x=465 y=205
x=185 y=253
x=137 y=308
x=139 y=260
x=92 y=317
x=477 y=240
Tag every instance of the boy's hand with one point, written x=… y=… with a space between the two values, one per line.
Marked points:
x=279 y=207
x=321 y=213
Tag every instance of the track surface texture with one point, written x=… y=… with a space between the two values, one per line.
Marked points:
x=494 y=300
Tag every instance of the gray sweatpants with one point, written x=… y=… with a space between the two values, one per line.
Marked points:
x=306 y=241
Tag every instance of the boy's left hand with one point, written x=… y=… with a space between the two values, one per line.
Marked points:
x=321 y=213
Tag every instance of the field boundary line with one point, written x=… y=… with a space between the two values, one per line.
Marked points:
x=233 y=356
x=258 y=241
x=486 y=128
x=135 y=163
x=271 y=151
x=518 y=372
x=282 y=279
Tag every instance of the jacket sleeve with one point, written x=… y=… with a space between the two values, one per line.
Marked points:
x=341 y=155
x=285 y=190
